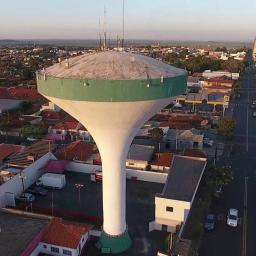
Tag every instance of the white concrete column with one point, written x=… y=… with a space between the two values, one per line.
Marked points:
x=113 y=125
x=113 y=154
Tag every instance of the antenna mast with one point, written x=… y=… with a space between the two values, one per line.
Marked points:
x=100 y=35
x=123 y=24
x=105 y=33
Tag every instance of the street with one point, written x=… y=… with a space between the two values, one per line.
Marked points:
x=240 y=193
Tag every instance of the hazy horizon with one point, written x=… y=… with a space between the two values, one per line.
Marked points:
x=174 y=20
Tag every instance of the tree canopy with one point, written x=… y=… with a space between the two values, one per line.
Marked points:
x=220 y=176
x=156 y=133
x=226 y=127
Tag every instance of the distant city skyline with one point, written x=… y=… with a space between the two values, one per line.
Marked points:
x=144 y=19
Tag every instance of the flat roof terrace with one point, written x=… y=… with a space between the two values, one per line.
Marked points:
x=183 y=178
x=17 y=231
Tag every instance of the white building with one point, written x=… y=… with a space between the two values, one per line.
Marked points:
x=172 y=206
x=212 y=74
x=63 y=238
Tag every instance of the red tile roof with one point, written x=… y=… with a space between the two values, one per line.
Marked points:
x=67 y=125
x=163 y=159
x=220 y=80
x=77 y=150
x=194 y=153
x=49 y=114
x=20 y=93
x=9 y=149
x=185 y=122
x=64 y=233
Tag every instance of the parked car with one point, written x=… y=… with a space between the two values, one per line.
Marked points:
x=32 y=139
x=232 y=218
x=237 y=95
x=210 y=222
x=208 y=142
x=253 y=106
x=38 y=191
x=26 y=197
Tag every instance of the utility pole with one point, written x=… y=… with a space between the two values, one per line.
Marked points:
x=79 y=186
x=123 y=25
x=22 y=177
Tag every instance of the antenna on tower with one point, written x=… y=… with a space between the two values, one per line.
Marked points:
x=100 y=43
x=123 y=24
x=105 y=33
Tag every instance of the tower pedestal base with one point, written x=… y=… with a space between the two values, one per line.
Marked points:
x=114 y=244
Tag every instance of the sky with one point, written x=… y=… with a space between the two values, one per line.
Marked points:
x=233 y=20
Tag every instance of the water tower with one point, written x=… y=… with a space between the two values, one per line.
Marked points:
x=254 y=50
x=112 y=94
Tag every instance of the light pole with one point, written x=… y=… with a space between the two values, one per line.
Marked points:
x=22 y=176
x=79 y=186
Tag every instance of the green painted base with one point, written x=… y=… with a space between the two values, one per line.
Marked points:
x=114 y=244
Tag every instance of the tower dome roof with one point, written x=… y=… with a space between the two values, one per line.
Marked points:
x=112 y=65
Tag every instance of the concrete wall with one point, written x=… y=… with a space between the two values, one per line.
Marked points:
x=82 y=167
x=130 y=173
x=32 y=173
x=156 y=177
x=180 y=210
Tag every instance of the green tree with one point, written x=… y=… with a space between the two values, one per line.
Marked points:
x=226 y=127
x=219 y=176
x=157 y=134
x=237 y=86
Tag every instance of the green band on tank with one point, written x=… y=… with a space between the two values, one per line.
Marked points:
x=111 y=90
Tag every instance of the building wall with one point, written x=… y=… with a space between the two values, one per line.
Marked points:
x=32 y=173
x=130 y=173
x=180 y=210
x=82 y=167
x=146 y=176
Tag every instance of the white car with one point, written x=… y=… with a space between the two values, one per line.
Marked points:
x=208 y=142
x=232 y=218
x=32 y=139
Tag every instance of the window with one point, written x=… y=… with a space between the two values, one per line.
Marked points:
x=164 y=227
x=169 y=209
x=45 y=246
x=55 y=249
x=67 y=252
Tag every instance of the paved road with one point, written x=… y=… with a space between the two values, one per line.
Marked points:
x=240 y=194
